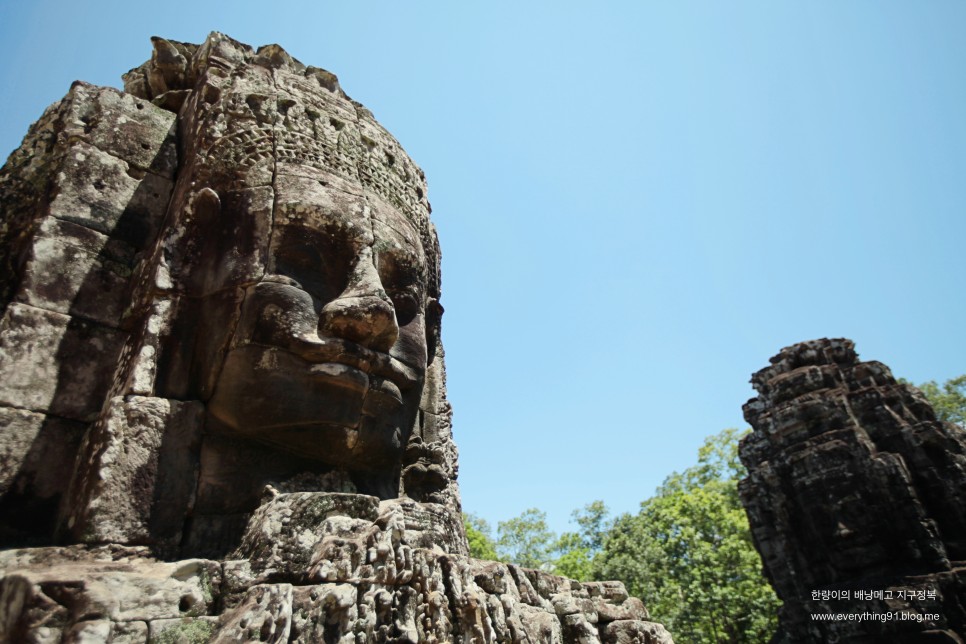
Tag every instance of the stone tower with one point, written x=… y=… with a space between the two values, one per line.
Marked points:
x=856 y=496
x=222 y=394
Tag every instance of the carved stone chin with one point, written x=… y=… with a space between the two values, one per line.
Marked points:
x=222 y=380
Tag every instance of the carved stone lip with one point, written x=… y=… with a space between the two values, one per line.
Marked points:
x=344 y=352
x=355 y=378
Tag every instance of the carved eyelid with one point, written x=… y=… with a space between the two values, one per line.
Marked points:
x=399 y=262
x=282 y=279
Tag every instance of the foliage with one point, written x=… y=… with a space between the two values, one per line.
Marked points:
x=949 y=399
x=574 y=560
x=187 y=632
x=525 y=540
x=576 y=551
x=479 y=536
x=688 y=553
x=593 y=525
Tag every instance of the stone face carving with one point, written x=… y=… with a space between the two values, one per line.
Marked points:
x=221 y=377
x=259 y=275
x=853 y=486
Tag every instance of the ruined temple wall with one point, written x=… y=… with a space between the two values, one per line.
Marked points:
x=368 y=575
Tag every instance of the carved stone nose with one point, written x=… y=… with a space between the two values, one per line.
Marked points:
x=363 y=313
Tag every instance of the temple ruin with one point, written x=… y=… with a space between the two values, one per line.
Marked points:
x=856 y=495
x=223 y=410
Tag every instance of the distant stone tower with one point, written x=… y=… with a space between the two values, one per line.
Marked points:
x=856 y=496
x=223 y=409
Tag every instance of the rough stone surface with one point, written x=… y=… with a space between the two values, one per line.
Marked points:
x=54 y=363
x=317 y=567
x=853 y=486
x=137 y=485
x=222 y=379
x=37 y=453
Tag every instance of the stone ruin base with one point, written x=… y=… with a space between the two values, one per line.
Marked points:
x=312 y=567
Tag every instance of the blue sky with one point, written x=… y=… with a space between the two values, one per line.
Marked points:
x=638 y=202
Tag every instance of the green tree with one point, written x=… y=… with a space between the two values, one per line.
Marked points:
x=573 y=559
x=593 y=524
x=576 y=551
x=948 y=399
x=525 y=540
x=688 y=553
x=479 y=536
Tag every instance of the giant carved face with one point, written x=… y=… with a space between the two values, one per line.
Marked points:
x=330 y=352
x=259 y=277
x=327 y=226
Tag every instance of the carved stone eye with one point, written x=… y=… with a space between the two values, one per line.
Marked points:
x=402 y=278
x=406 y=302
x=319 y=264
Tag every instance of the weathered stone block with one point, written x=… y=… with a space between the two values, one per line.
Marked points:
x=613 y=591
x=219 y=241
x=265 y=615
x=318 y=93
x=843 y=492
x=100 y=191
x=93 y=631
x=493 y=577
x=283 y=534
x=195 y=335
x=128 y=127
x=578 y=629
x=540 y=625
x=71 y=269
x=327 y=612
x=39 y=369
x=37 y=454
x=118 y=591
x=632 y=608
x=430 y=525
x=18 y=432
x=138 y=487
x=633 y=632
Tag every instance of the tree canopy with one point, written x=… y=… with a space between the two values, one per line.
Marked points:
x=479 y=537
x=688 y=553
x=948 y=399
x=526 y=540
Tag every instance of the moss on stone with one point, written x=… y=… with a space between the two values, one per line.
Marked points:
x=193 y=631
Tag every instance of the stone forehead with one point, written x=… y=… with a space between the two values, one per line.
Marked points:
x=261 y=108
x=252 y=116
x=305 y=200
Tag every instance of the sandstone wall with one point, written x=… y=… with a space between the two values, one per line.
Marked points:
x=134 y=225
